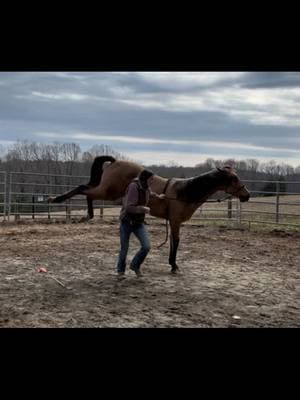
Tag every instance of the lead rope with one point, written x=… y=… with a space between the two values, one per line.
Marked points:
x=171 y=198
x=167 y=219
x=167 y=235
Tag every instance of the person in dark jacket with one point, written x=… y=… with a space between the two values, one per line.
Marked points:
x=132 y=217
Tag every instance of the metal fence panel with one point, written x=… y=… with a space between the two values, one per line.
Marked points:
x=24 y=195
x=3 y=194
x=28 y=194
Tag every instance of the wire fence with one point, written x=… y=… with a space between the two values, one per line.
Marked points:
x=24 y=195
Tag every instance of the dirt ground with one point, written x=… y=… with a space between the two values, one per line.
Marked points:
x=228 y=278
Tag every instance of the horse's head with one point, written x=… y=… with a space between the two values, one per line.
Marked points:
x=233 y=185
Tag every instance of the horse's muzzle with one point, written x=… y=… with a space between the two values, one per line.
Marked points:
x=244 y=198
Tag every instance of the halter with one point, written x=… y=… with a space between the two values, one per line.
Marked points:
x=239 y=189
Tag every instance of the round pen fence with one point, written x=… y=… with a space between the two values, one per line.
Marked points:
x=24 y=195
x=3 y=194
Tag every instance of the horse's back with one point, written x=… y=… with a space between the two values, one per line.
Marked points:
x=116 y=177
x=120 y=171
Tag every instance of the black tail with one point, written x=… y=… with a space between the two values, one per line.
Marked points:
x=96 y=170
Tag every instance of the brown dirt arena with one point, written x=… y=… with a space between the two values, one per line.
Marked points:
x=229 y=278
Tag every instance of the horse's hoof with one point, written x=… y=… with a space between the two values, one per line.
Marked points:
x=84 y=219
x=174 y=270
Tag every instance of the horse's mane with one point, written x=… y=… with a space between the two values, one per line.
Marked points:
x=199 y=187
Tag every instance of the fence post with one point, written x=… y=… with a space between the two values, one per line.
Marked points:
x=229 y=213
x=277 y=201
x=50 y=189
x=68 y=211
x=17 y=215
x=33 y=207
x=9 y=196
x=240 y=212
x=237 y=210
x=101 y=210
x=5 y=197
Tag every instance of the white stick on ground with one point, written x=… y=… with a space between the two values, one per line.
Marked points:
x=60 y=283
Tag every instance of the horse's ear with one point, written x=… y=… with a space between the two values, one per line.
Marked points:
x=225 y=168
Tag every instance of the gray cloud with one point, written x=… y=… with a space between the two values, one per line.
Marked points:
x=270 y=80
x=250 y=108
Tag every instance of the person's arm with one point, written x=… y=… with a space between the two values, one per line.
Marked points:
x=132 y=206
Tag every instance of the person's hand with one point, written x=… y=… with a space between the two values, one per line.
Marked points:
x=147 y=210
x=162 y=196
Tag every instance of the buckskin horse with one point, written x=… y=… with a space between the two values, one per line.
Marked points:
x=182 y=196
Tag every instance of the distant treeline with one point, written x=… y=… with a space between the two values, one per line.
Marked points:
x=69 y=159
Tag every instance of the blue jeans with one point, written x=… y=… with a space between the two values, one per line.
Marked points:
x=140 y=231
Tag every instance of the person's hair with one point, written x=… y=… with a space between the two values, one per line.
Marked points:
x=145 y=174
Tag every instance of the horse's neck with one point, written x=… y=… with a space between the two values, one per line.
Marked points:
x=198 y=189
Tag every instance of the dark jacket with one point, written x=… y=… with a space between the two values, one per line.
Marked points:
x=134 y=202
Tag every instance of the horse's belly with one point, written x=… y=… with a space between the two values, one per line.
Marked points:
x=158 y=208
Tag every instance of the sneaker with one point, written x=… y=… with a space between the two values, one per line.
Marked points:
x=121 y=275
x=137 y=271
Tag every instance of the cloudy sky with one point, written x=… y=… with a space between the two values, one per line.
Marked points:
x=157 y=117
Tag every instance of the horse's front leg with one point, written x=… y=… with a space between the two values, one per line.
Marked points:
x=174 y=242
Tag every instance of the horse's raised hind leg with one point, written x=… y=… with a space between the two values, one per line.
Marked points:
x=79 y=190
x=174 y=242
x=82 y=189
